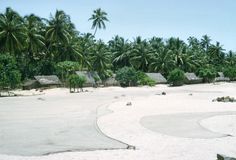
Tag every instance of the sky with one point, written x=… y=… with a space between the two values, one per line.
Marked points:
x=146 y=18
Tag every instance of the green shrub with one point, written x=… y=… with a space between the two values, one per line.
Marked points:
x=230 y=72
x=208 y=74
x=66 y=67
x=143 y=79
x=10 y=76
x=127 y=76
x=176 y=77
x=76 y=81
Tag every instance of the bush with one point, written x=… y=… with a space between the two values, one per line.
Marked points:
x=208 y=74
x=230 y=72
x=127 y=76
x=143 y=79
x=10 y=76
x=176 y=77
x=76 y=81
x=66 y=67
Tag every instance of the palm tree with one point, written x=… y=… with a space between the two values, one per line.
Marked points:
x=156 y=43
x=59 y=33
x=194 y=43
x=101 y=59
x=141 y=54
x=86 y=44
x=178 y=48
x=206 y=42
x=216 y=54
x=12 y=32
x=98 y=18
x=162 y=61
x=35 y=40
x=121 y=52
x=231 y=59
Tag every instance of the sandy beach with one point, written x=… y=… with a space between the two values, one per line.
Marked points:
x=184 y=124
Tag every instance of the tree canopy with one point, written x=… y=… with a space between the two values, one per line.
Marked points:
x=40 y=46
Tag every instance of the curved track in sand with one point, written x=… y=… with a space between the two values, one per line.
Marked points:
x=186 y=125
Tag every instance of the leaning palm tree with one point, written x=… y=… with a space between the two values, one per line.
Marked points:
x=98 y=18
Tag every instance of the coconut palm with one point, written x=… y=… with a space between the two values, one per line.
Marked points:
x=59 y=33
x=35 y=40
x=12 y=32
x=121 y=52
x=101 y=59
x=141 y=54
x=206 y=42
x=156 y=43
x=216 y=54
x=98 y=17
x=178 y=48
x=231 y=59
x=86 y=45
x=162 y=61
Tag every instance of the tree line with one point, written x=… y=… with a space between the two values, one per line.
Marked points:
x=40 y=46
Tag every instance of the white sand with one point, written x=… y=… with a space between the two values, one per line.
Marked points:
x=124 y=124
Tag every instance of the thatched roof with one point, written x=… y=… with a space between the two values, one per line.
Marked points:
x=221 y=77
x=90 y=77
x=29 y=82
x=48 y=80
x=111 y=81
x=192 y=78
x=157 y=77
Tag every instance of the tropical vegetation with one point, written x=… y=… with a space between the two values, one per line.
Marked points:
x=176 y=77
x=40 y=46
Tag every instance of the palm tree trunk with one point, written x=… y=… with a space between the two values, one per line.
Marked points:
x=95 y=31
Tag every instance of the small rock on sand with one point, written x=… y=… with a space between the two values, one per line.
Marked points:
x=128 y=104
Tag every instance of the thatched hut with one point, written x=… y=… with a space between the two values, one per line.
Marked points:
x=30 y=84
x=111 y=81
x=92 y=78
x=157 y=77
x=42 y=81
x=221 y=77
x=191 y=78
x=46 y=81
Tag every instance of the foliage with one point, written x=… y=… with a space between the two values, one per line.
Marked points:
x=10 y=76
x=143 y=79
x=230 y=72
x=208 y=74
x=98 y=18
x=127 y=76
x=76 y=81
x=100 y=59
x=47 y=46
x=67 y=67
x=176 y=77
